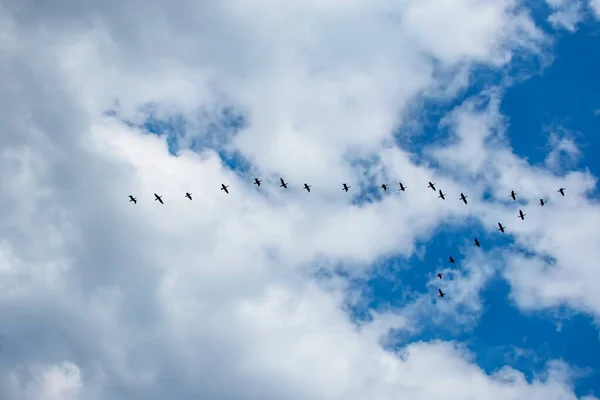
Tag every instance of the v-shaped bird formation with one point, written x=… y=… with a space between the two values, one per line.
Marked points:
x=384 y=186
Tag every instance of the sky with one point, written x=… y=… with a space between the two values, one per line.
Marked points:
x=271 y=293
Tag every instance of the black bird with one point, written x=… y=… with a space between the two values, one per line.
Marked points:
x=463 y=198
x=521 y=215
x=283 y=184
x=402 y=187
x=561 y=191
x=131 y=198
x=513 y=195
x=384 y=187
x=477 y=243
x=188 y=195
x=159 y=198
x=346 y=187
x=441 y=196
x=224 y=187
x=439 y=276
x=257 y=182
x=451 y=260
x=441 y=294
x=542 y=202
x=432 y=186
x=307 y=187
x=500 y=227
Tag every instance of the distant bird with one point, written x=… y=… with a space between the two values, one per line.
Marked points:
x=441 y=196
x=432 y=186
x=542 y=202
x=521 y=215
x=500 y=227
x=402 y=187
x=257 y=182
x=513 y=195
x=463 y=198
x=477 y=243
x=346 y=187
x=283 y=184
x=307 y=187
x=561 y=191
x=441 y=294
x=439 y=275
x=384 y=187
x=131 y=198
x=224 y=188
x=451 y=260
x=188 y=195
x=159 y=198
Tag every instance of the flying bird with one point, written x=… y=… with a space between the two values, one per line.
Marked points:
x=432 y=186
x=500 y=227
x=441 y=294
x=131 y=198
x=402 y=187
x=463 y=198
x=307 y=187
x=188 y=195
x=561 y=191
x=477 y=243
x=451 y=260
x=283 y=184
x=521 y=215
x=257 y=182
x=346 y=187
x=441 y=196
x=159 y=198
x=439 y=276
x=224 y=188
x=542 y=202
x=513 y=195
x=384 y=187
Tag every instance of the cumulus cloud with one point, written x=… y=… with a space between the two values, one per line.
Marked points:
x=100 y=298
x=564 y=152
x=566 y=14
x=595 y=6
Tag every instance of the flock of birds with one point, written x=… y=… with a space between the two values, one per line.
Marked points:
x=402 y=188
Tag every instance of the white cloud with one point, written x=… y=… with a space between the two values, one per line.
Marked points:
x=566 y=14
x=564 y=153
x=595 y=6
x=212 y=298
x=50 y=382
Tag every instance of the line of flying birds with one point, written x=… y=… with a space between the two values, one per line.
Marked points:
x=402 y=188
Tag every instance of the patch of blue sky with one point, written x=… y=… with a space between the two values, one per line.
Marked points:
x=533 y=338
x=396 y=275
x=422 y=126
x=423 y=119
x=369 y=188
x=566 y=95
x=211 y=131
